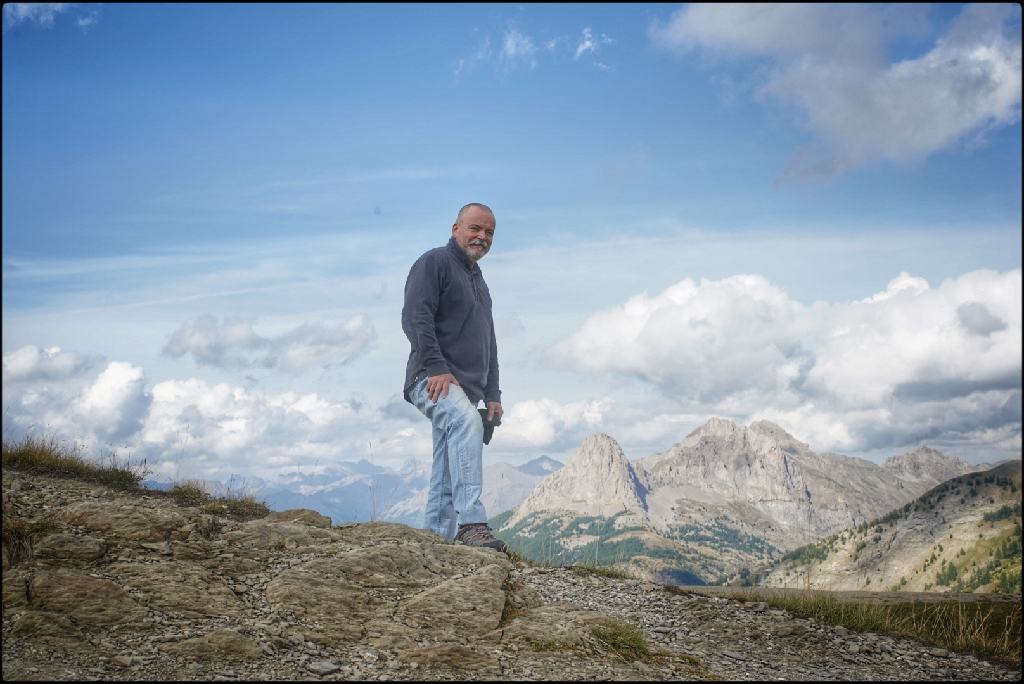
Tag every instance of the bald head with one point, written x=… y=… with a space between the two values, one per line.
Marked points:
x=482 y=207
x=473 y=230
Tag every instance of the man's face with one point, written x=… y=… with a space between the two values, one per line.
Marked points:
x=474 y=232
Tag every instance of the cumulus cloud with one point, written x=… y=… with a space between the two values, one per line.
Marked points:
x=547 y=423
x=216 y=429
x=114 y=406
x=861 y=106
x=908 y=363
x=234 y=344
x=54 y=392
x=705 y=341
x=30 y=363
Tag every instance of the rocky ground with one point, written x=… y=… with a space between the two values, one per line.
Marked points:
x=136 y=588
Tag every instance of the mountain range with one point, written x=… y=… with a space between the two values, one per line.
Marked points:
x=723 y=498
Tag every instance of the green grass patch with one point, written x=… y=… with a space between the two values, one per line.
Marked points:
x=623 y=640
x=989 y=629
x=189 y=493
x=49 y=456
x=234 y=504
x=240 y=507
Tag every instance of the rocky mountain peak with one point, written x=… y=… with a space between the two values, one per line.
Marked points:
x=923 y=460
x=765 y=435
x=721 y=441
x=598 y=450
x=596 y=480
x=768 y=428
x=715 y=428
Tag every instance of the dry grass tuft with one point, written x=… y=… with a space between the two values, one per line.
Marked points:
x=49 y=456
x=189 y=493
x=20 y=535
x=989 y=630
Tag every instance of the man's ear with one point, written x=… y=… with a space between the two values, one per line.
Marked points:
x=454 y=227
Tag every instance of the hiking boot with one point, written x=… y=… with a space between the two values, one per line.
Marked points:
x=478 y=534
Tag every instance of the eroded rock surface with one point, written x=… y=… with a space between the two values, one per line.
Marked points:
x=123 y=586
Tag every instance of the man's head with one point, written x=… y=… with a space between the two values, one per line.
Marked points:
x=473 y=230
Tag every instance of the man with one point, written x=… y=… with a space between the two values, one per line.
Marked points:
x=453 y=365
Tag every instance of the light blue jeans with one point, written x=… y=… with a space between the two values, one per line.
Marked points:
x=457 y=477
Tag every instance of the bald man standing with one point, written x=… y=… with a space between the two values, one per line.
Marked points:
x=453 y=365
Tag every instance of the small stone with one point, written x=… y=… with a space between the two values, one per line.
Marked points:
x=323 y=667
x=122 y=661
x=939 y=653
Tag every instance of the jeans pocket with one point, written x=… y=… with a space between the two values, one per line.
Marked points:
x=420 y=397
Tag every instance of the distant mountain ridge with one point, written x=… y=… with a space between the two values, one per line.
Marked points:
x=723 y=497
x=359 y=491
x=962 y=535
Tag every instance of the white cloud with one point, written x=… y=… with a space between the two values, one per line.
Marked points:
x=862 y=107
x=913 y=345
x=41 y=13
x=588 y=43
x=547 y=423
x=909 y=363
x=702 y=341
x=44 y=14
x=114 y=406
x=233 y=343
x=51 y=392
x=219 y=429
x=32 y=363
x=517 y=48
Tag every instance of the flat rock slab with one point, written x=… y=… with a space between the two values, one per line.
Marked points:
x=388 y=594
x=138 y=521
x=223 y=644
x=72 y=549
x=179 y=587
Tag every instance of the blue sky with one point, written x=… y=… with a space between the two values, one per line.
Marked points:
x=808 y=214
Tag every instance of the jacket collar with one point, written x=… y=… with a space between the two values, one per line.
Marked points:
x=456 y=251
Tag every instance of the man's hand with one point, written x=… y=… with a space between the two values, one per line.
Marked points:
x=437 y=385
x=493 y=409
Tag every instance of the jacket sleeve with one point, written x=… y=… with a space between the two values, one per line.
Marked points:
x=491 y=390
x=422 y=296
